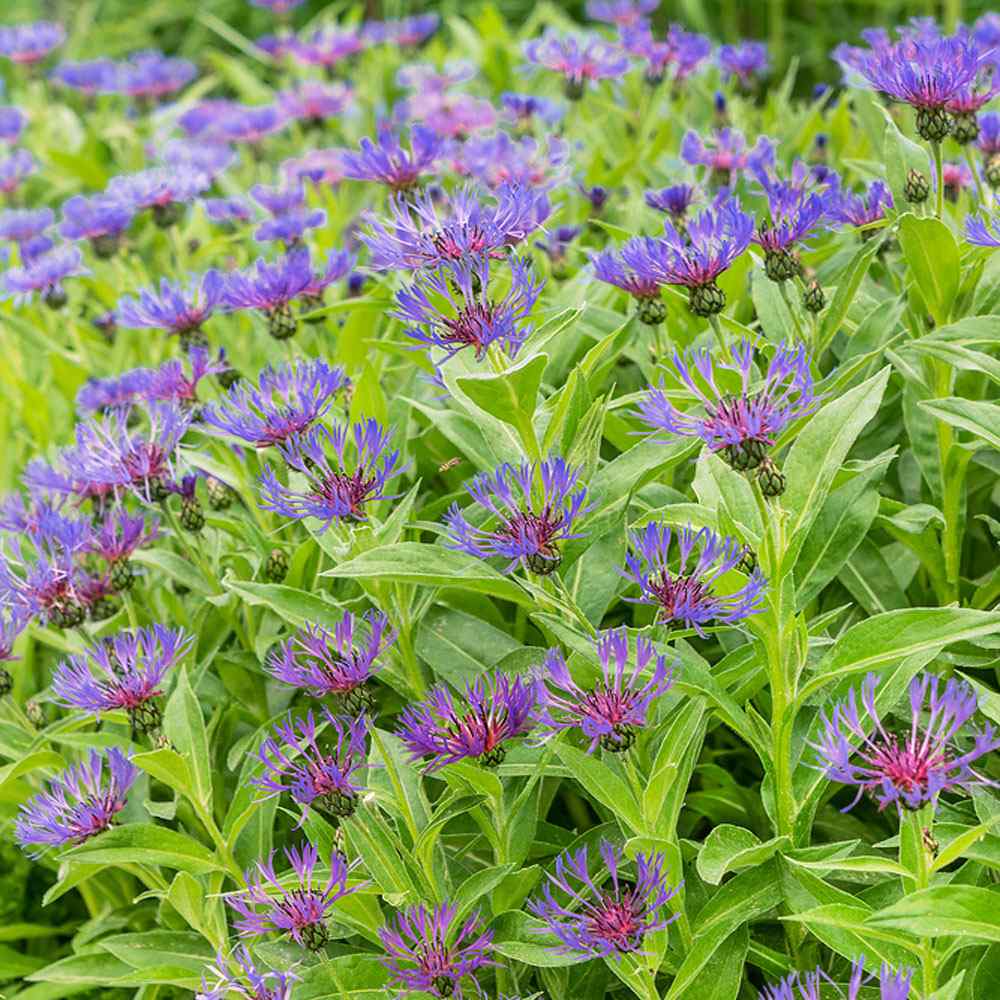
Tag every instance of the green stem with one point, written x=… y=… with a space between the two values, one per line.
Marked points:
x=720 y=337
x=397 y=785
x=916 y=833
x=939 y=177
x=951 y=491
x=974 y=167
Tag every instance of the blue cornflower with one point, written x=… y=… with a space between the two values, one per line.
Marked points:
x=95 y=76
x=101 y=220
x=12 y=123
x=405 y=31
x=742 y=426
x=427 y=231
x=687 y=595
x=98 y=395
x=893 y=984
x=622 y=13
x=496 y=710
x=683 y=51
x=859 y=209
x=501 y=159
x=326 y=47
x=744 y=61
x=579 y=60
x=250 y=124
x=45 y=275
x=983 y=231
x=313 y=102
x=451 y=307
x=227 y=210
x=30 y=43
x=430 y=951
x=285 y=402
x=13 y=621
x=14 y=169
x=630 y=271
x=386 y=161
x=176 y=308
x=610 y=713
x=271 y=289
x=338 y=488
x=317 y=775
x=269 y=905
x=525 y=108
x=673 y=201
x=164 y=190
x=124 y=672
x=208 y=158
x=246 y=981
x=530 y=510
x=150 y=75
x=81 y=803
x=911 y=767
x=171 y=383
x=606 y=915
x=21 y=225
x=726 y=154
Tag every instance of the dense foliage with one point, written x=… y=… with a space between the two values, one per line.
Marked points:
x=496 y=514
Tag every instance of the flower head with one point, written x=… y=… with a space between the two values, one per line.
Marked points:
x=496 y=710
x=673 y=201
x=250 y=124
x=12 y=123
x=386 y=161
x=742 y=427
x=119 y=534
x=177 y=309
x=151 y=76
x=530 y=511
x=45 y=275
x=744 y=62
x=162 y=189
x=451 y=307
x=621 y=13
x=988 y=140
x=430 y=951
x=321 y=166
x=525 y=108
x=208 y=158
x=316 y=775
x=245 y=981
x=95 y=76
x=914 y=766
x=172 y=383
x=271 y=905
x=426 y=232
x=338 y=663
x=500 y=159
x=123 y=672
x=328 y=46
x=609 y=713
x=688 y=595
x=14 y=169
x=338 y=487
x=579 y=60
x=599 y=918
x=313 y=101
x=726 y=153
x=271 y=288
x=983 y=231
x=683 y=51
x=859 y=209
x=98 y=395
x=100 y=219
x=81 y=803
x=286 y=401
x=19 y=226
x=30 y=43
x=226 y=210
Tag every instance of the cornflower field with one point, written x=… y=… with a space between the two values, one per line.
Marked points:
x=499 y=502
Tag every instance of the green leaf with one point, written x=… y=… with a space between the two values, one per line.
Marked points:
x=78 y=970
x=154 y=948
x=945 y=911
x=728 y=848
x=185 y=728
x=359 y=977
x=932 y=257
x=604 y=784
x=297 y=607
x=516 y=936
x=981 y=418
x=901 y=155
x=146 y=843
x=433 y=566
x=848 y=282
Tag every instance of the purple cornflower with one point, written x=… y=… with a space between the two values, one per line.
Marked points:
x=532 y=509
x=926 y=70
x=525 y=108
x=336 y=490
x=687 y=596
x=425 y=231
x=742 y=427
x=695 y=257
x=807 y=983
x=208 y=158
x=320 y=776
x=579 y=60
x=622 y=13
x=500 y=159
x=452 y=116
x=30 y=43
x=81 y=803
x=983 y=231
x=290 y=216
x=912 y=767
x=151 y=76
x=119 y=535
x=12 y=123
x=248 y=982
x=673 y=201
x=386 y=161
x=226 y=210
x=250 y=124
x=600 y=919
x=610 y=713
x=123 y=672
x=22 y=225
x=321 y=166
x=100 y=219
x=313 y=101
x=45 y=586
x=451 y=307
x=45 y=275
x=14 y=169
x=683 y=50
x=957 y=177
x=109 y=456
x=328 y=46
x=164 y=190
x=893 y=984
x=556 y=247
x=744 y=61
x=338 y=663
x=726 y=154
x=95 y=76
x=859 y=209
x=271 y=289
x=430 y=952
x=268 y=905
x=988 y=140
x=286 y=401
x=795 y=215
x=98 y=395
x=630 y=271
x=177 y=309
x=171 y=383
x=496 y=710
x=406 y=31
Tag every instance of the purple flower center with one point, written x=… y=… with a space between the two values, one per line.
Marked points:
x=618 y=921
x=353 y=491
x=473 y=327
x=678 y=595
x=907 y=767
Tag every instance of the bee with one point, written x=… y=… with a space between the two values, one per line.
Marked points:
x=450 y=464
